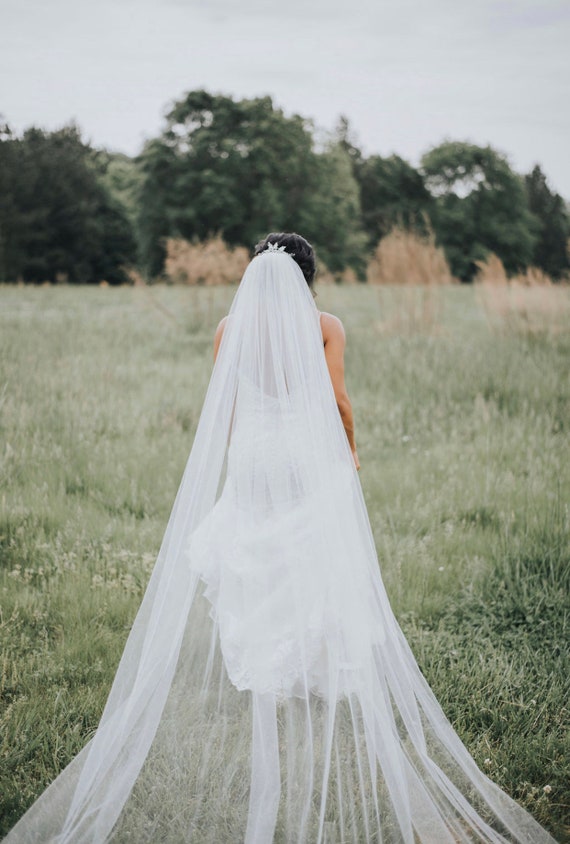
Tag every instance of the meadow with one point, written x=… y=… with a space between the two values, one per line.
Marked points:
x=462 y=412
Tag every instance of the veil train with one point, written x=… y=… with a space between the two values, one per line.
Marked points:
x=266 y=692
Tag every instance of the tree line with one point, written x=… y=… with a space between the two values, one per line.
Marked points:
x=240 y=168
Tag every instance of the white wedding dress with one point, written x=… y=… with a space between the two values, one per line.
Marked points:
x=280 y=592
x=266 y=692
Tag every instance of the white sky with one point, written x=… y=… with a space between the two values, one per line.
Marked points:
x=407 y=73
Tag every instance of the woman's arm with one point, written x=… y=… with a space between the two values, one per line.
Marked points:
x=334 y=339
x=218 y=336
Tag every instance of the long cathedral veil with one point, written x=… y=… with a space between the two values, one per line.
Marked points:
x=266 y=692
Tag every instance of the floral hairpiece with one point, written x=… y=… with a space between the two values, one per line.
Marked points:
x=274 y=247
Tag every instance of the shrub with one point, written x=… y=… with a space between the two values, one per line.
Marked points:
x=405 y=257
x=209 y=262
x=528 y=303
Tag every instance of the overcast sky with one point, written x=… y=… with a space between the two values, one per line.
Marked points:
x=407 y=74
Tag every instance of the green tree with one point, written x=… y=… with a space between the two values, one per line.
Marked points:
x=122 y=177
x=551 y=247
x=480 y=206
x=347 y=140
x=241 y=169
x=57 y=220
x=330 y=217
x=392 y=193
x=8 y=175
x=157 y=204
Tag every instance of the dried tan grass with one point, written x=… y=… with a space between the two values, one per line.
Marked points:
x=404 y=257
x=134 y=276
x=210 y=262
x=325 y=276
x=528 y=303
x=409 y=271
x=491 y=271
x=409 y=309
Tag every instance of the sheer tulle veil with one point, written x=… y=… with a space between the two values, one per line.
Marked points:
x=266 y=692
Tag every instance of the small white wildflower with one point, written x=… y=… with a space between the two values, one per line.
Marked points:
x=547 y=789
x=406 y=438
x=441 y=568
x=533 y=702
x=487 y=762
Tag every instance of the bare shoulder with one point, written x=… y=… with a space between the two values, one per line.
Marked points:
x=332 y=327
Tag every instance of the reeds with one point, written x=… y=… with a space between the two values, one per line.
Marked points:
x=404 y=257
x=209 y=262
x=528 y=303
x=409 y=270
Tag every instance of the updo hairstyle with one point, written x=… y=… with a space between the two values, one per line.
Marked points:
x=300 y=250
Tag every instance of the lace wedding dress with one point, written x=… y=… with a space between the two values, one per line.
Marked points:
x=266 y=692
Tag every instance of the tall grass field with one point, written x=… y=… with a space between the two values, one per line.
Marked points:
x=462 y=412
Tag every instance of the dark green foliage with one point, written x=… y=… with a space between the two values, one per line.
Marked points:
x=330 y=217
x=551 y=247
x=158 y=166
x=392 y=193
x=346 y=139
x=122 y=177
x=480 y=207
x=238 y=168
x=58 y=222
x=241 y=168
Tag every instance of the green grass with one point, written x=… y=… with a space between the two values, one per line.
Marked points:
x=463 y=438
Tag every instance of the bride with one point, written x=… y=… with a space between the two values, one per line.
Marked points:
x=266 y=692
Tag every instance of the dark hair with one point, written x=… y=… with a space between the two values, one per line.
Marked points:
x=300 y=250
